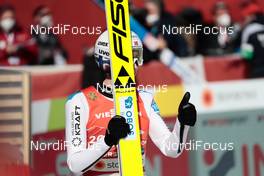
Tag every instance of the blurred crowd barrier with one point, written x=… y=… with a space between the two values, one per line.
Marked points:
x=229 y=113
x=14 y=122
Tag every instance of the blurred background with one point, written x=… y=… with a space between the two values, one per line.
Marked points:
x=224 y=73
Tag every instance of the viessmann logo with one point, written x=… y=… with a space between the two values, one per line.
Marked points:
x=119 y=36
x=107 y=114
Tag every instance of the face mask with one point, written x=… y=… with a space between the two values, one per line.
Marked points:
x=46 y=21
x=223 y=20
x=151 y=19
x=7 y=24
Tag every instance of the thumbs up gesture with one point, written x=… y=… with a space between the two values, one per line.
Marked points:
x=187 y=113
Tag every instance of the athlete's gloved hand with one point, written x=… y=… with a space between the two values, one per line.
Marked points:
x=117 y=129
x=187 y=112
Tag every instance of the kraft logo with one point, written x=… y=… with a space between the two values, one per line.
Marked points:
x=77 y=141
x=221 y=167
x=128 y=102
x=77 y=129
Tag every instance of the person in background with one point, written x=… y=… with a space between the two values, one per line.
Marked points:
x=225 y=42
x=51 y=51
x=191 y=16
x=252 y=42
x=16 y=46
x=153 y=17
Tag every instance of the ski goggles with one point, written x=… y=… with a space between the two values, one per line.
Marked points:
x=138 y=56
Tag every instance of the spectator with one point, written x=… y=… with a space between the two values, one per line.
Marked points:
x=252 y=44
x=50 y=49
x=153 y=17
x=225 y=42
x=191 y=16
x=16 y=46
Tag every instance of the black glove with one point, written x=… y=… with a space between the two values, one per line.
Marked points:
x=117 y=128
x=187 y=112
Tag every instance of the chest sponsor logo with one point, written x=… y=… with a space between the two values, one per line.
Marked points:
x=107 y=114
x=113 y=165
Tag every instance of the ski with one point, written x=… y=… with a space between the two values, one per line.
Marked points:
x=124 y=86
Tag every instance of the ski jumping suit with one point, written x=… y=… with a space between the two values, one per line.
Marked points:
x=87 y=115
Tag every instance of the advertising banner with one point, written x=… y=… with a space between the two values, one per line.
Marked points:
x=227 y=96
x=228 y=137
x=229 y=143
